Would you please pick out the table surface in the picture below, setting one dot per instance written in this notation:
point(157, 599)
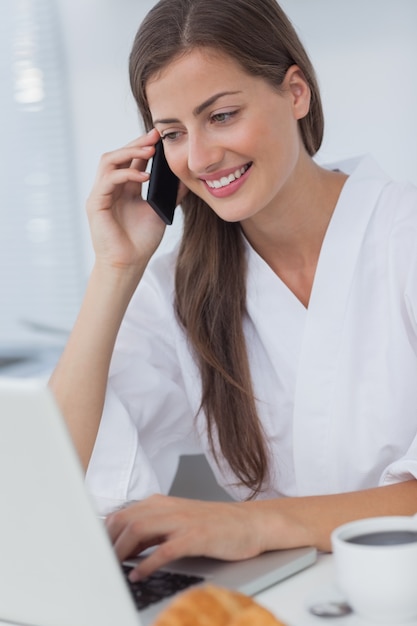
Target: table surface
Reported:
point(290, 599)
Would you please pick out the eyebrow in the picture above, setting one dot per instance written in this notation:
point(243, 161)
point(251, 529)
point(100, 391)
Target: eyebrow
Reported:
point(200, 108)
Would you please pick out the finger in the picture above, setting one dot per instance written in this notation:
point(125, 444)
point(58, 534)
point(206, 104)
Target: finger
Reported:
point(126, 531)
point(102, 196)
point(115, 524)
point(132, 540)
point(150, 138)
point(124, 158)
point(121, 177)
point(145, 143)
point(167, 552)
point(138, 151)
point(140, 525)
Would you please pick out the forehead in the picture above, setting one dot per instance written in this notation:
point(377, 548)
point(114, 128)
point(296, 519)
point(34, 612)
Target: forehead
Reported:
point(194, 76)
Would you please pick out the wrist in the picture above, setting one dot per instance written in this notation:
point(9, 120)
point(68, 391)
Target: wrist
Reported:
point(117, 277)
point(280, 524)
point(109, 291)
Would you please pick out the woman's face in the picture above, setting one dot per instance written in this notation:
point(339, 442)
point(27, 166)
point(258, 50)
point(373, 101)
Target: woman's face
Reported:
point(230, 137)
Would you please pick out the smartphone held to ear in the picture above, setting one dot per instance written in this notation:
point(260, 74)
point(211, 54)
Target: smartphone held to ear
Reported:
point(163, 186)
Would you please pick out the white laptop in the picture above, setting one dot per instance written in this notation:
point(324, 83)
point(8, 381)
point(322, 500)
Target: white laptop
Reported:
point(57, 565)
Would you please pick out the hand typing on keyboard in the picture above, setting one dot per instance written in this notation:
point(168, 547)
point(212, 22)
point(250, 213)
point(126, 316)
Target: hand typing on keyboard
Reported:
point(180, 527)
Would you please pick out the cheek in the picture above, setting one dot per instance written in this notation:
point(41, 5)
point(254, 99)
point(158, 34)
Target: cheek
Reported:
point(283, 142)
point(178, 162)
point(260, 139)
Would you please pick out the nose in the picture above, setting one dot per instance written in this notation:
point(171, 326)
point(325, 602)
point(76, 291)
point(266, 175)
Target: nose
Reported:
point(204, 153)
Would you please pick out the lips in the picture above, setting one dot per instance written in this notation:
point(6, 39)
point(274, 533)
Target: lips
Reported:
point(224, 181)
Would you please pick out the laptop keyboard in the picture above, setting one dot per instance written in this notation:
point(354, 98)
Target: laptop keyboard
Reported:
point(157, 586)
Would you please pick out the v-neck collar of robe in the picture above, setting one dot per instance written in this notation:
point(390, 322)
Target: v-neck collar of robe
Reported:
point(310, 338)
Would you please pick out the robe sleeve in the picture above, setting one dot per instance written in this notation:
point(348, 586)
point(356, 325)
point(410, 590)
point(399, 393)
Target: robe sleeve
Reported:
point(405, 468)
point(147, 421)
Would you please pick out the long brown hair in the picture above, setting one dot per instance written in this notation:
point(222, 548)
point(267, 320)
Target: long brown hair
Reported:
point(211, 266)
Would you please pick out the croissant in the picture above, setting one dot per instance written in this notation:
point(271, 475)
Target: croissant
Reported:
point(210, 605)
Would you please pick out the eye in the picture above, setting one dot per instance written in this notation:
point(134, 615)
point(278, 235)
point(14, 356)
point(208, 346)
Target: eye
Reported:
point(223, 116)
point(170, 136)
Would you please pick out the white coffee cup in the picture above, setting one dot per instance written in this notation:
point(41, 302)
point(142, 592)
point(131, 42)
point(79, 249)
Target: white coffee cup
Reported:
point(376, 566)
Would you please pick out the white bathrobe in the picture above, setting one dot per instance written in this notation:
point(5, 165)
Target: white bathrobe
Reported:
point(336, 384)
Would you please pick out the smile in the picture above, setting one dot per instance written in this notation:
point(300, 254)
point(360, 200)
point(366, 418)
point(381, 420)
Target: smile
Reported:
point(224, 181)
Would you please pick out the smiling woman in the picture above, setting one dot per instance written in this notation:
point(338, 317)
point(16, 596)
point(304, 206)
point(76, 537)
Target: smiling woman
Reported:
point(216, 132)
point(277, 337)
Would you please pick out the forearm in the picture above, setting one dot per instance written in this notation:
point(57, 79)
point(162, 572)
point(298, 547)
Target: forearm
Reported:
point(240, 530)
point(293, 522)
point(80, 378)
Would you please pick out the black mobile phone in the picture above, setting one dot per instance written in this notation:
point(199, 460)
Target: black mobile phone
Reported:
point(163, 186)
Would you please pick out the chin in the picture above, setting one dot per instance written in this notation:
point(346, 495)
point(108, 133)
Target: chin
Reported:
point(230, 213)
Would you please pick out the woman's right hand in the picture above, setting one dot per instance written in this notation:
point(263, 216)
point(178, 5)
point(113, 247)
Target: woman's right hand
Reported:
point(125, 229)
point(126, 232)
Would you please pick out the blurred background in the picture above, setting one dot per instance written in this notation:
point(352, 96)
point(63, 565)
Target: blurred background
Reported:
point(65, 99)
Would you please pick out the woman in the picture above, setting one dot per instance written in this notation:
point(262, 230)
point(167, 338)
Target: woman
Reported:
point(280, 338)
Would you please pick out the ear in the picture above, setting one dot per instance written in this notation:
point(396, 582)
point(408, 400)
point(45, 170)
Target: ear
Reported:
point(298, 88)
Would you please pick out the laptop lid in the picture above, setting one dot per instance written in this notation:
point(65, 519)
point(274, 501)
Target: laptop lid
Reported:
point(57, 565)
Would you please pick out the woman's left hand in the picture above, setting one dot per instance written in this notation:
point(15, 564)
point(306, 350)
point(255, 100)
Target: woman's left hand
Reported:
point(181, 527)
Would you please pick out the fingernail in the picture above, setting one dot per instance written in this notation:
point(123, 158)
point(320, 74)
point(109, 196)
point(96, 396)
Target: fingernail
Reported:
point(134, 576)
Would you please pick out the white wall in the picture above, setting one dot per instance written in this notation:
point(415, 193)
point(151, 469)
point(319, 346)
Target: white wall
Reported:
point(98, 36)
point(365, 53)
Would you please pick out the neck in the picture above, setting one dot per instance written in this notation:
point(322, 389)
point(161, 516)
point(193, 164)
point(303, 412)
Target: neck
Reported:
point(289, 235)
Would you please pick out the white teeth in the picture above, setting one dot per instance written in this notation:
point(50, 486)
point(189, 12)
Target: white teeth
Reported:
point(226, 180)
